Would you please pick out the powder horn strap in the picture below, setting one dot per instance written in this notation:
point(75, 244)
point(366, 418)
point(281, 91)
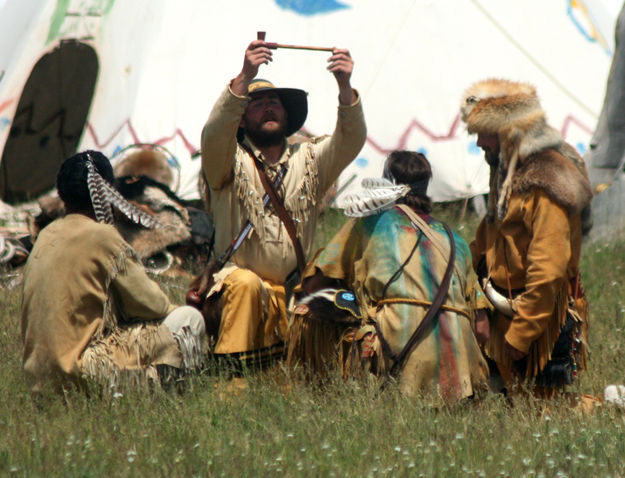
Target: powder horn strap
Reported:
point(248, 226)
point(280, 211)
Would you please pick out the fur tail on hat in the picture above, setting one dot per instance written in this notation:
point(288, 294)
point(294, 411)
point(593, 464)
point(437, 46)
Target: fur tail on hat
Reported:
point(506, 188)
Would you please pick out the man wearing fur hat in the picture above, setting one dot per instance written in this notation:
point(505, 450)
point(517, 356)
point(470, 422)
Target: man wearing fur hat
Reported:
point(527, 248)
point(246, 136)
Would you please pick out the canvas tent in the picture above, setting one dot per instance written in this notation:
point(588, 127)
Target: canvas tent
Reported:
point(105, 74)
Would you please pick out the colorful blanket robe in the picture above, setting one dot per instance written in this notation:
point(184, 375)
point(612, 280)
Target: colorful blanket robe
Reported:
point(366, 254)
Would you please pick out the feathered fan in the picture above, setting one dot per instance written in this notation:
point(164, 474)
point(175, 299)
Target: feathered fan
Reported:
point(378, 194)
point(104, 197)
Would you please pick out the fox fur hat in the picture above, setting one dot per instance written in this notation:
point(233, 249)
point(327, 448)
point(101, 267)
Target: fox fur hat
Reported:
point(512, 111)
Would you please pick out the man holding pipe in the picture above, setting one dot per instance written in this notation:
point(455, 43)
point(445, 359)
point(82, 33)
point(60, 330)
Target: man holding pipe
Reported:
point(245, 137)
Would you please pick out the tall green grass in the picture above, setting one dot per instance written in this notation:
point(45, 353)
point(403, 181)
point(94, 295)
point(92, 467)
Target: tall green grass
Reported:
point(281, 426)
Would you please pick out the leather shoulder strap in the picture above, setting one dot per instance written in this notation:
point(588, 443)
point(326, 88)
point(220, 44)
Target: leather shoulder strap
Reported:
point(432, 313)
point(437, 241)
point(281, 211)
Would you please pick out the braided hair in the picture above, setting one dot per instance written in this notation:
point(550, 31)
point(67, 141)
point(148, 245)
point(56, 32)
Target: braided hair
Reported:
point(413, 169)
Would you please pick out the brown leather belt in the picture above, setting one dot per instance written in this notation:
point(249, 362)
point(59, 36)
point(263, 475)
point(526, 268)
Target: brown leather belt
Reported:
point(509, 294)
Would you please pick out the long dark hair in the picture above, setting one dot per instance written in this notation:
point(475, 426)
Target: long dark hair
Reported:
point(412, 168)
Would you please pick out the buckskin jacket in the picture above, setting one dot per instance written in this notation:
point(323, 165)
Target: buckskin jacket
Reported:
point(534, 252)
point(83, 284)
point(235, 192)
point(529, 243)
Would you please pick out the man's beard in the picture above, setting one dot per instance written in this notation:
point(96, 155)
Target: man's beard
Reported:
point(491, 158)
point(264, 139)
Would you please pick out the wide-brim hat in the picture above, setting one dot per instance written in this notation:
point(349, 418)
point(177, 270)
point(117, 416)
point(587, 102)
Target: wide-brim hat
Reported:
point(293, 100)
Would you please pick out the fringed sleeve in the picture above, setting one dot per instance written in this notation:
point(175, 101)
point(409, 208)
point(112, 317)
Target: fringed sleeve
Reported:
point(219, 138)
point(541, 308)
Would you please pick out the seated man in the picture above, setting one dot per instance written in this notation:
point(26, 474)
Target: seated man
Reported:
point(89, 309)
point(245, 153)
point(413, 279)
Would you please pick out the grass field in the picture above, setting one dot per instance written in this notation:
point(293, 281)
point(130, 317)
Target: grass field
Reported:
point(281, 426)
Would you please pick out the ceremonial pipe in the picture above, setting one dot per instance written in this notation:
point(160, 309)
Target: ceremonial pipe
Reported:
point(273, 46)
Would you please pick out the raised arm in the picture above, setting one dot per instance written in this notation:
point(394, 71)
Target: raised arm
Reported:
point(350, 133)
point(256, 54)
point(342, 65)
point(219, 136)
